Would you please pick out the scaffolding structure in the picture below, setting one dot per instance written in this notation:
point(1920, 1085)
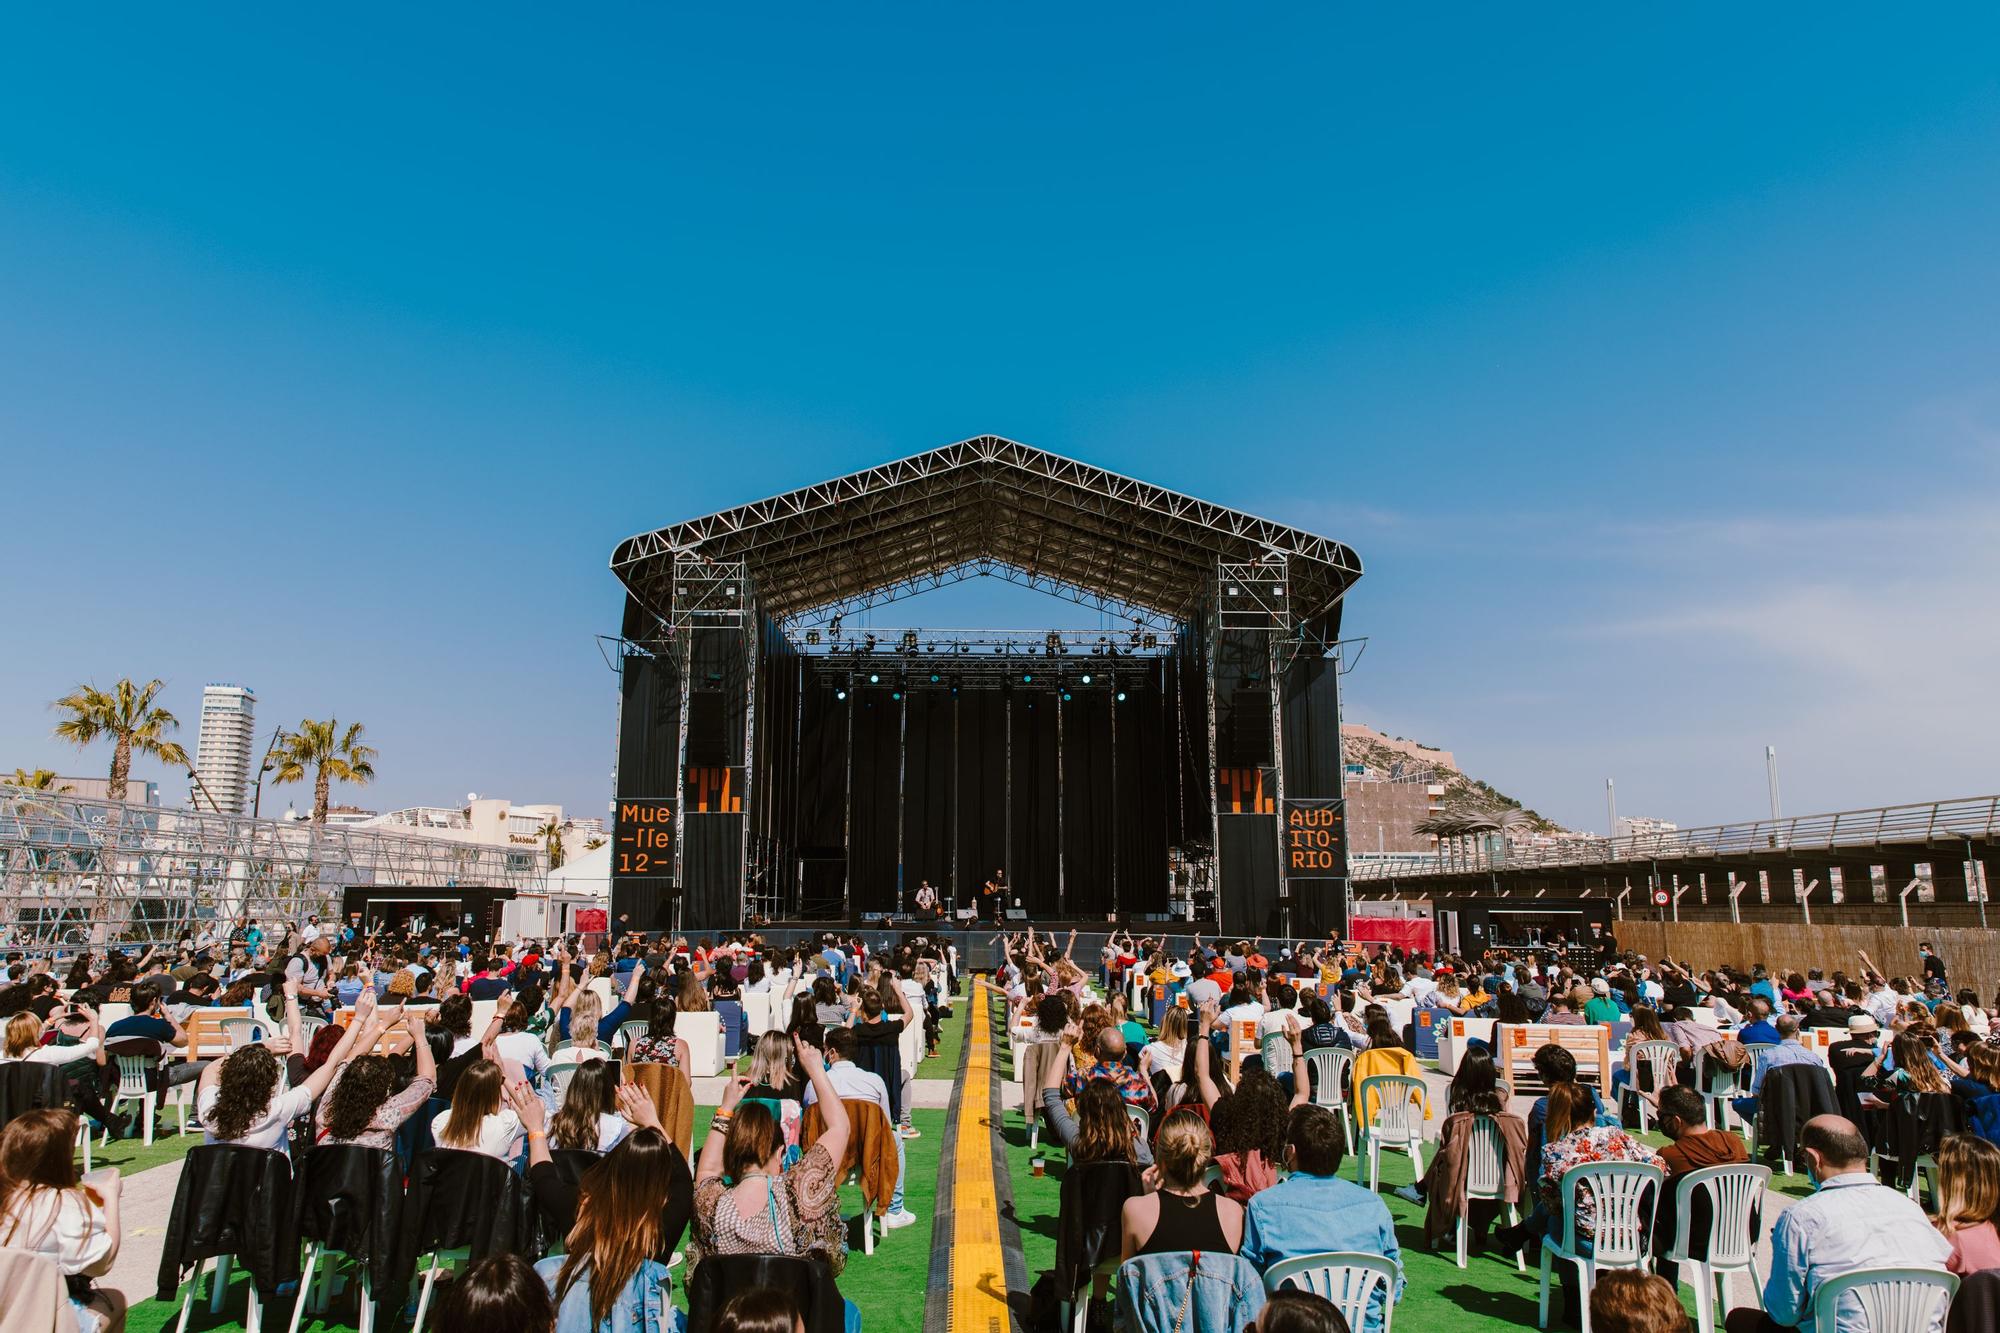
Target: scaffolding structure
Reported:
point(79, 872)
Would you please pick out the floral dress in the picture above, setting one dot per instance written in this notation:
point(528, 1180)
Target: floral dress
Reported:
point(1597, 1143)
point(800, 1216)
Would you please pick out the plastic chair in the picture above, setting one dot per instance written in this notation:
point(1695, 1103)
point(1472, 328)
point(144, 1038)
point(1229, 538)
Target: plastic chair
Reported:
point(1142, 1123)
point(1623, 1234)
point(558, 1077)
point(230, 1200)
point(1276, 1052)
point(310, 1025)
point(1718, 1085)
point(1398, 1123)
point(1331, 1069)
point(463, 1203)
point(1655, 1061)
point(350, 1201)
point(138, 1061)
point(1486, 1178)
point(622, 1039)
point(1892, 1300)
point(244, 1032)
point(1347, 1278)
point(1734, 1194)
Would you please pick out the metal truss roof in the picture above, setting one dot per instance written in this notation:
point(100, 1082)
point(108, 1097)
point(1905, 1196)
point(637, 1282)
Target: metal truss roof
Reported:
point(984, 506)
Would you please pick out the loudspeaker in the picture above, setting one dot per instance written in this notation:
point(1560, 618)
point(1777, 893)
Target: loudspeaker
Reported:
point(1245, 741)
point(708, 739)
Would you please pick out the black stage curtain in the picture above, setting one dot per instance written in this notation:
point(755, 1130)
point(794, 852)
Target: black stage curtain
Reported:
point(930, 780)
point(871, 845)
point(1311, 709)
point(649, 733)
point(981, 793)
point(712, 866)
point(1089, 783)
point(1248, 859)
point(1145, 796)
point(1036, 848)
point(821, 821)
point(774, 777)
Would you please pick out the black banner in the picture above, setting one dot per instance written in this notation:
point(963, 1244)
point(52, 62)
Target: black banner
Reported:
point(642, 864)
point(1315, 838)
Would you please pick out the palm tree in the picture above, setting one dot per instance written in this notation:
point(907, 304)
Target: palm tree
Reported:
point(129, 717)
point(41, 779)
point(553, 840)
point(330, 754)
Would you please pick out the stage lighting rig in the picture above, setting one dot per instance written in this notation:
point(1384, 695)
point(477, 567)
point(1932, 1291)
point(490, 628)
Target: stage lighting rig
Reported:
point(909, 641)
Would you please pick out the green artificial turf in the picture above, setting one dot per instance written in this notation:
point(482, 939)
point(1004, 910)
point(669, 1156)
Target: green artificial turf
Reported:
point(131, 1156)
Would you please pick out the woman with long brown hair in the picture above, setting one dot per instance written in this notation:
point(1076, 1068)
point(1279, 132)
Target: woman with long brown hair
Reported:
point(589, 1119)
point(623, 1218)
point(241, 1099)
point(46, 1208)
point(745, 1202)
point(477, 1122)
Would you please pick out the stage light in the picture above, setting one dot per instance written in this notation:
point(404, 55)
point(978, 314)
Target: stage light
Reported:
point(1121, 696)
point(1086, 678)
point(870, 645)
point(935, 678)
point(896, 694)
point(909, 641)
point(1152, 642)
point(1027, 678)
point(840, 694)
point(812, 637)
point(1065, 696)
point(874, 679)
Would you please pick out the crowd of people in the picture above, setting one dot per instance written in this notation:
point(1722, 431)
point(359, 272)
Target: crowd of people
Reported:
point(1248, 1166)
point(370, 1041)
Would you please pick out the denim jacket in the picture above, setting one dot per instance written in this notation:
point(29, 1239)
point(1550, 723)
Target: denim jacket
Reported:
point(1228, 1294)
point(646, 1304)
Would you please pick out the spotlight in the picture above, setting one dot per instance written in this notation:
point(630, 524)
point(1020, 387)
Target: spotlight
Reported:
point(1065, 696)
point(833, 626)
point(874, 679)
point(840, 694)
point(896, 695)
point(1152, 642)
point(812, 637)
point(1086, 678)
point(935, 678)
point(909, 641)
point(1027, 678)
point(870, 645)
point(1121, 696)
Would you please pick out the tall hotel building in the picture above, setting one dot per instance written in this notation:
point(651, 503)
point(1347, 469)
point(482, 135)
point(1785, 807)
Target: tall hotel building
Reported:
point(222, 747)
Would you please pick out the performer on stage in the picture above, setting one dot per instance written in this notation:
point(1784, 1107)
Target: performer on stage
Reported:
point(995, 893)
point(927, 901)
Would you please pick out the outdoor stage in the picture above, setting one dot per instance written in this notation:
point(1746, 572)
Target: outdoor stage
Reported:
point(775, 763)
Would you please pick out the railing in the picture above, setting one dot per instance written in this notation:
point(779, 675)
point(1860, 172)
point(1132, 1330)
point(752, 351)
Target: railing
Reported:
point(1961, 819)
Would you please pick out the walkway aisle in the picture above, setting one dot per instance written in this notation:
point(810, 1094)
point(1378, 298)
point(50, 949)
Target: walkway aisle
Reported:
point(968, 1286)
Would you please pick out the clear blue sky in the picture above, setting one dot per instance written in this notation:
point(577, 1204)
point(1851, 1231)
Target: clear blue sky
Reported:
point(1649, 361)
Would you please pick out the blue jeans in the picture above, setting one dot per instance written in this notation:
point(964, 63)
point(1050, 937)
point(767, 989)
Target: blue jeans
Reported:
point(896, 1198)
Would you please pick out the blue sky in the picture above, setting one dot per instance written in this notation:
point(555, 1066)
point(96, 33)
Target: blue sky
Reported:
point(1648, 360)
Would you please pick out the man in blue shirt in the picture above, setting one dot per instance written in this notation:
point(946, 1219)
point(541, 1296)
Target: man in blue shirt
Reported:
point(1315, 1211)
point(1788, 1051)
point(1759, 1029)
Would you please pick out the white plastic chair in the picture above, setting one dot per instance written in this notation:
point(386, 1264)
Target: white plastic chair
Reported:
point(703, 1034)
point(1398, 1123)
point(1486, 1178)
point(244, 1032)
point(1331, 1067)
point(1892, 1300)
point(1075, 1314)
point(621, 1040)
point(557, 1078)
point(309, 1027)
point(1655, 1061)
point(320, 1299)
point(1276, 1050)
point(217, 1292)
point(1622, 1236)
point(135, 1084)
point(1734, 1195)
point(1348, 1279)
point(1719, 1084)
point(1142, 1123)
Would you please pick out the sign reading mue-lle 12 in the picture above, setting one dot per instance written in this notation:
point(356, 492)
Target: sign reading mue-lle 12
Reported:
point(642, 839)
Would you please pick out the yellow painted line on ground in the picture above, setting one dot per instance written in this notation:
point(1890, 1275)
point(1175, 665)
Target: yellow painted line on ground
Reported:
point(978, 1270)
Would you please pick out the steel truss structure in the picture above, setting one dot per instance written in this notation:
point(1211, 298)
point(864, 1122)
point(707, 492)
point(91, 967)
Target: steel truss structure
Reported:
point(78, 872)
point(984, 506)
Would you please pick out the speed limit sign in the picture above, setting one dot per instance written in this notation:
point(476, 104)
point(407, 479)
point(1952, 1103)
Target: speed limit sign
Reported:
point(1660, 898)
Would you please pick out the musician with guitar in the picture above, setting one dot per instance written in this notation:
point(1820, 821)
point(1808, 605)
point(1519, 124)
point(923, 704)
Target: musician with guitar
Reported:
point(995, 893)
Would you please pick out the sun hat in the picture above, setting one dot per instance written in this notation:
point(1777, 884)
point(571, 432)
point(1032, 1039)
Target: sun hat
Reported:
point(1863, 1023)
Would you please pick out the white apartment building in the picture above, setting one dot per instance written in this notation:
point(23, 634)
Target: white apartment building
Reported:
point(222, 748)
point(1639, 826)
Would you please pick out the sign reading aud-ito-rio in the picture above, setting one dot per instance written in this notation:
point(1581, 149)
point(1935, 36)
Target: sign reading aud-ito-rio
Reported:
point(1315, 837)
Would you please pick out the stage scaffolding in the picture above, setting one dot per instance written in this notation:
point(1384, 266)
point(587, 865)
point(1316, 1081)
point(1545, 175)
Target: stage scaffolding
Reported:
point(734, 648)
point(80, 872)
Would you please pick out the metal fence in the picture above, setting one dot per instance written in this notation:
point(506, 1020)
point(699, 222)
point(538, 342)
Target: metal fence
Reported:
point(1971, 818)
point(76, 871)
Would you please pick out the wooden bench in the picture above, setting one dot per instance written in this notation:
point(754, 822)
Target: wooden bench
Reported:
point(1515, 1044)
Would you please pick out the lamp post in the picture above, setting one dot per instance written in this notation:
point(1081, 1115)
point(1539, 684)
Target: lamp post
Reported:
point(270, 762)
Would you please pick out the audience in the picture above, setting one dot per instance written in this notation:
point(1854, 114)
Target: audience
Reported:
point(1294, 1311)
point(1182, 1213)
point(1624, 1301)
point(1968, 1200)
point(503, 1294)
point(477, 1121)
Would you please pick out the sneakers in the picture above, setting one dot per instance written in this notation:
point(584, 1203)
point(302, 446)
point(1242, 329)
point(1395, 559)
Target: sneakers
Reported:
point(902, 1217)
point(1408, 1194)
point(910, 1132)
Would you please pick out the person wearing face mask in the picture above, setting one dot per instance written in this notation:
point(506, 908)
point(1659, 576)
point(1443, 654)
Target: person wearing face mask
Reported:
point(1852, 1221)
